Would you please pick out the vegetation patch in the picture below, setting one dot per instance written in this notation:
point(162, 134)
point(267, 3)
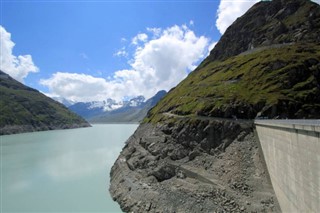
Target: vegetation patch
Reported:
point(272, 82)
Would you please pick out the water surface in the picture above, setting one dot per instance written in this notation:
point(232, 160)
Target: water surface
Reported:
point(62, 170)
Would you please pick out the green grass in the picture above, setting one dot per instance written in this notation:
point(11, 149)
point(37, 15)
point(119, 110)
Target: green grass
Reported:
point(251, 81)
point(21, 105)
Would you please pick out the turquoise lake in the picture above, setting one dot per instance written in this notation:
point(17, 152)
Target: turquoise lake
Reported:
point(61, 170)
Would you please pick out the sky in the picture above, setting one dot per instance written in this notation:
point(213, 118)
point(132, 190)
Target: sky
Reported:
point(94, 50)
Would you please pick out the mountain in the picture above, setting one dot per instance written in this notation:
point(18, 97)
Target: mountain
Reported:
point(64, 101)
point(23, 109)
point(89, 110)
point(279, 78)
point(196, 150)
point(110, 111)
point(297, 22)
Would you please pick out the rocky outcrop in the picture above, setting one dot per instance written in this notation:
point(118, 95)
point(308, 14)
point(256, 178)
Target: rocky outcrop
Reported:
point(268, 23)
point(192, 165)
point(196, 150)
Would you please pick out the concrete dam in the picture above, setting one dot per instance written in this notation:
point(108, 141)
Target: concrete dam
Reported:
point(291, 149)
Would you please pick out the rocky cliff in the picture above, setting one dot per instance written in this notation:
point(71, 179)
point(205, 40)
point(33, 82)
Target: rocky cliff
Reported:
point(196, 150)
point(267, 23)
point(23, 109)
point(192, 165)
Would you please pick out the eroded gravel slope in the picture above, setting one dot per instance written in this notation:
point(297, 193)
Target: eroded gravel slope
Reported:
point(193, 166)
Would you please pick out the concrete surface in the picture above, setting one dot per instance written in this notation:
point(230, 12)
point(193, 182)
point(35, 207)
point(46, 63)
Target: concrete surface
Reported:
point(291, 149)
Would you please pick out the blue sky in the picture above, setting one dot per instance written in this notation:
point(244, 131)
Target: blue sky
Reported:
point(93, 50)
point(56, 34)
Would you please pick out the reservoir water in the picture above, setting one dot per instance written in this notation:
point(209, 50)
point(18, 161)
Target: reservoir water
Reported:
point(61, 170)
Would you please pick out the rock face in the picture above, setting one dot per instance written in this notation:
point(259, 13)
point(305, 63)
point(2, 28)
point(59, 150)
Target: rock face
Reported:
point(276, 80)
point(23, 109)
point(267, 23)
point(192, 165)
point(196, 150)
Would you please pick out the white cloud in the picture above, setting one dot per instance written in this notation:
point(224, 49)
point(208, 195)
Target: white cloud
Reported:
point(191, 22)
point(141, 37)
point(159, 63)
point(165, 61)
point(211, 46)
point(81, 87)
point(155, 31)
point(121, 52)
point(316, 1)
point(76, 87)
point(229, 11)
point(17, 67)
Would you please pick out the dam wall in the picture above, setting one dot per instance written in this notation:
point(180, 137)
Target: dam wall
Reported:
point(291, 149)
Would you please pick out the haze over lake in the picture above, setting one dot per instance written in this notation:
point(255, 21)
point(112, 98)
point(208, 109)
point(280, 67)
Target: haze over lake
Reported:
point(61, 171)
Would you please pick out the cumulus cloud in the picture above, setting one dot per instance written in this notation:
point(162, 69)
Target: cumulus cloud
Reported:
point(141, 37)
point(229, 11)
point(165, 61)
point(156, 64)
point(121, 53)
point(211, 46)
point(77, 87)
point(17, 67)
point(155, 31)
point(83, 88)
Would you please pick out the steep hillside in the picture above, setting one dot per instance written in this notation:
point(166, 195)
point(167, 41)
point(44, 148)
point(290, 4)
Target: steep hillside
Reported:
point(275, 82)
point(23, 109)
point(256, 69)
point(266, 23)
point(196, 150)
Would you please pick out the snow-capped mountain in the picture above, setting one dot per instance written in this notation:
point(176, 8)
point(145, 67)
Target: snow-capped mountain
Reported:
point(109, 110)
point(110, 104)
point(91, 109)
point(107, 105)
point(64, 101)
point(134, 102)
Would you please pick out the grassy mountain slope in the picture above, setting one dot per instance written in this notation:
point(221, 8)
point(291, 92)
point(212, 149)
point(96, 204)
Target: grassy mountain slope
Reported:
point(275, 82)
point(186, 157)
point(25, 109)
point(255, 70)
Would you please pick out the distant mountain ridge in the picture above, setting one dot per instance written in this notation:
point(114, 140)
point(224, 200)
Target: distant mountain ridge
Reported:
point(111, 111)
point(24, 109)
point(64, 101)
point(90, 109)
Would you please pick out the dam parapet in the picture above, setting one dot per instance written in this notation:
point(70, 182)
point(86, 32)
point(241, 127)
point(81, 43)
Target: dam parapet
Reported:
point(291, 149)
